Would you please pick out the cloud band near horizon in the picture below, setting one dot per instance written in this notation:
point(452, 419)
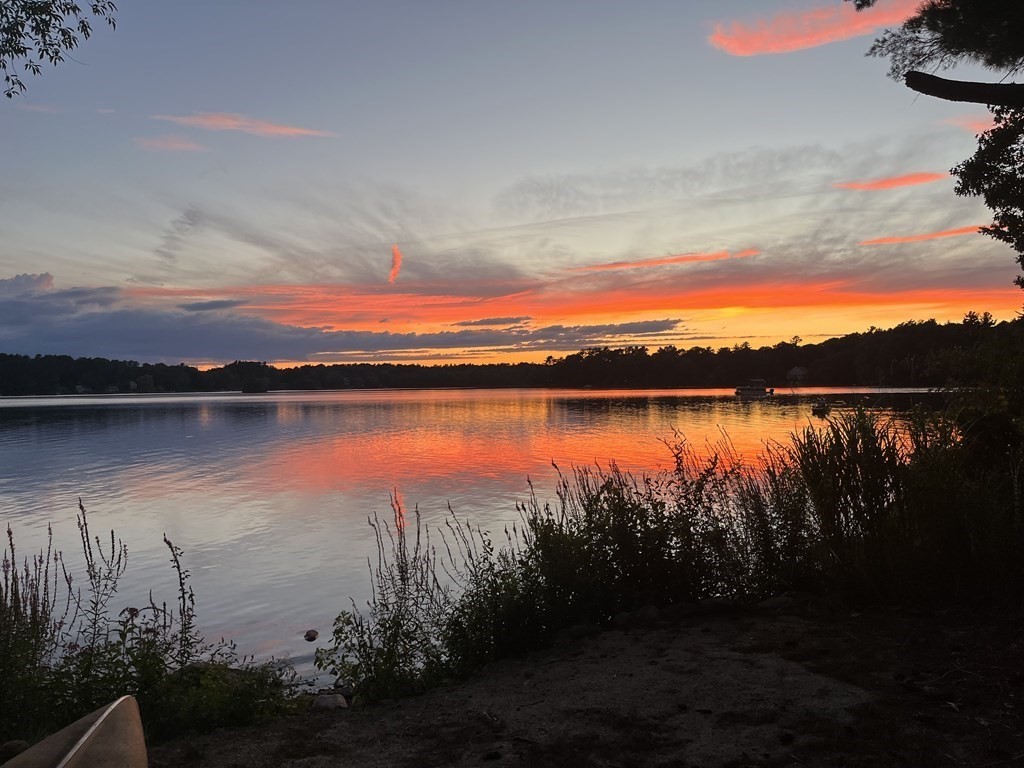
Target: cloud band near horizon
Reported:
point(276, 323)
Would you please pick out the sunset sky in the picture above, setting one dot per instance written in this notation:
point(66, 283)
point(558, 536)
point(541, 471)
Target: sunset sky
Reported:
point(466, 180)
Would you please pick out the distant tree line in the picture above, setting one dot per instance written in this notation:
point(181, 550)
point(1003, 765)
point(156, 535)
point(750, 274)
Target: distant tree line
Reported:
point(913, 354)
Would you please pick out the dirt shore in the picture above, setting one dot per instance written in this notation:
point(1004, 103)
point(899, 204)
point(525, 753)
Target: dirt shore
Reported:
point(805, 687)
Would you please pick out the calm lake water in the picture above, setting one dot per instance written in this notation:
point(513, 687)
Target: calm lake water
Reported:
point(268, 495)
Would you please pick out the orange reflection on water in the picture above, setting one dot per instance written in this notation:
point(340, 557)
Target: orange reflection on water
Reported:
point(269, 494)
point(455, 440)
point(288, 413)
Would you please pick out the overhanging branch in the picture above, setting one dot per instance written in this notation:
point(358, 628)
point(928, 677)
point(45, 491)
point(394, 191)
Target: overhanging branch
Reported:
point(995, 94)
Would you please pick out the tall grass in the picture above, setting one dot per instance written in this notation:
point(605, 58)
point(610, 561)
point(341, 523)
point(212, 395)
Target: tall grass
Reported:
point(64, 651)
point(863, 508)
point(31, 628)
point(395, 648)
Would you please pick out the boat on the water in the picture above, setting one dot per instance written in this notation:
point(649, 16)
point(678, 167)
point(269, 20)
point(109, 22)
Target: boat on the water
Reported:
point(110, 737)
point(821, 408)
point(755, 389)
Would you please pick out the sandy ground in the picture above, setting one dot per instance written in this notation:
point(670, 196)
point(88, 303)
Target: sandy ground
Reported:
point(808, 687)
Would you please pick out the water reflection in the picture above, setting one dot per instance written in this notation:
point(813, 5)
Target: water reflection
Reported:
point(268, 495)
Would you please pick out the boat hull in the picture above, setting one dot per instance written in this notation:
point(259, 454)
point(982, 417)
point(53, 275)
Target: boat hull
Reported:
point(110, 737)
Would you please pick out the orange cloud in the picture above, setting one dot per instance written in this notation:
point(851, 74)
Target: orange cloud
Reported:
point(794, 31)
point(360, 309)
point(918, 238)
point(745, 305)
point(396, 263)
point(686, 258)
point(972, 124)
point(337, 306)
point(782, 295)
point(892, 182)
point(169, 144)
point(222, 121)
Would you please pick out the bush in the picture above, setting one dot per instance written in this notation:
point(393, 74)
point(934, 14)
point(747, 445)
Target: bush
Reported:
point(31, 628)
point(396, 649)
point(57, 665)
point(910, 511)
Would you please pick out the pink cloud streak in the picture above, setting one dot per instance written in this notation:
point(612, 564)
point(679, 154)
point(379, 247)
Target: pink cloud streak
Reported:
point(794, 31)
point(396, 263)
point(918, 238)
point(971, 124)
point(222, 121)
point(892, 182)
point(169, 144)
point(685, 258)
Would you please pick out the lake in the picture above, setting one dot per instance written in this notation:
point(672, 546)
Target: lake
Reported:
point(268, 495)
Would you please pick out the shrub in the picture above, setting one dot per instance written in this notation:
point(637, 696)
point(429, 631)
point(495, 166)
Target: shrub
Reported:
point(910, 511)
point(57, 665)
point(396, 649)
point(31, 628)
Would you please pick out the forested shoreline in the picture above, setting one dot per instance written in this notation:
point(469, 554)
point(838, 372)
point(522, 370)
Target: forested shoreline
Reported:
point(912, 354)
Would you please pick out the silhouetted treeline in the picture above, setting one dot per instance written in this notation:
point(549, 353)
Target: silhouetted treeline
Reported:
point(913, 354)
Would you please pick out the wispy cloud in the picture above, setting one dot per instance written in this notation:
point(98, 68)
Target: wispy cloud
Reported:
point(173, 239)
point(795, 30)
point(685, 258)
point(627, 190)
point(211, 306)
point(973, 124)
point(44, 108)
point(918, 238)
point(396, 264)
point(11, 287)
point(169, 144)
point(492, 321)
point(223, 121)
point(892, 182)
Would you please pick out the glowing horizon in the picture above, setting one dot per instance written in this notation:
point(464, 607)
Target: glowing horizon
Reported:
point(529, 325)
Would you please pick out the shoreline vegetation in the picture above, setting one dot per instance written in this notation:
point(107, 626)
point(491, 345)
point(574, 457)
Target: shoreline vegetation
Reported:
point(67, 648)
point(869, 512)
point(865, 511)
point(912, 354)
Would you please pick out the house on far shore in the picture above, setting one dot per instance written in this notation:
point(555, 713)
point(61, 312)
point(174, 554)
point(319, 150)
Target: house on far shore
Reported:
point(797, 376)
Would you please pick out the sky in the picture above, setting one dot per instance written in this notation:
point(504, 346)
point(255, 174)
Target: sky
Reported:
point(443, 181)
